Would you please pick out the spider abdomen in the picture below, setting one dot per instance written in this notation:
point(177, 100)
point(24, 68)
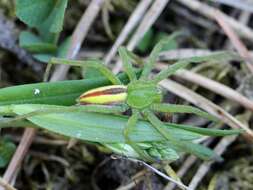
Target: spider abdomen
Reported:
point(104, 95)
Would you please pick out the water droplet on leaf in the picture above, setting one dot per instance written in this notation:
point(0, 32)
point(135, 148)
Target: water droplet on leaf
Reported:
point(36, 91)
point(78, 135)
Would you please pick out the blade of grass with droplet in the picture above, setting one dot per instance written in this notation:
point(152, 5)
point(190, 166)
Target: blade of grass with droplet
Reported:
point(57, 93)
point(102, 127)
point(92, 126)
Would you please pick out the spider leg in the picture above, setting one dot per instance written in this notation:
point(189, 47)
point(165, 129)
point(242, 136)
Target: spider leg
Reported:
point(135, 58)
point(97, 64)
point(126, 60)
point(185, 146)
point(158, 125)
point(170, 70)
point(173, 108)
point(184, 62)
point(131, 123)
point(155, 54)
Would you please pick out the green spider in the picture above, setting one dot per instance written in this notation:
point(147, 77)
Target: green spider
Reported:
point(142, 95)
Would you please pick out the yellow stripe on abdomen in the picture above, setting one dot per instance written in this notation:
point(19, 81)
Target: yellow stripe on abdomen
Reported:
point(104, 95)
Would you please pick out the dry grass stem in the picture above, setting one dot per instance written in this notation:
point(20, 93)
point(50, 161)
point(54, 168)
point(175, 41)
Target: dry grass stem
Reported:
point(237, 43)
point(210, 12)
point(205, 167)
point(6, 185)
point(146, 23)
point(78, 36)
point(19, 154)
point(246, 5)
point(184, 53)
point(129, 26)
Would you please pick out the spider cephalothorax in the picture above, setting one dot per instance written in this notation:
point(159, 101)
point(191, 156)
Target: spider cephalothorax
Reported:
point(142, 94)
point(138, 95)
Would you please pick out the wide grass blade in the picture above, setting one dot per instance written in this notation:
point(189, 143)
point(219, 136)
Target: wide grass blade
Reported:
point(107, 128)
point(57, 93)
point(95, 127)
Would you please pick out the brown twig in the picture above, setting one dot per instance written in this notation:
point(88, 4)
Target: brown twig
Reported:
point(239, 46)
point(129, 26)
point(19, 154)
point(148, 20)
point(60, 73)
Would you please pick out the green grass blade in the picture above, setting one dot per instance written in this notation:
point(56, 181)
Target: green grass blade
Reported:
point(200, 151)
point(7, 149)
point(57, 93)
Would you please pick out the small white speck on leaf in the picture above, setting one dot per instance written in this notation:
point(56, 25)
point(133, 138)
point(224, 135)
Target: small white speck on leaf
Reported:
point(36, 91)
point(78, 135)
